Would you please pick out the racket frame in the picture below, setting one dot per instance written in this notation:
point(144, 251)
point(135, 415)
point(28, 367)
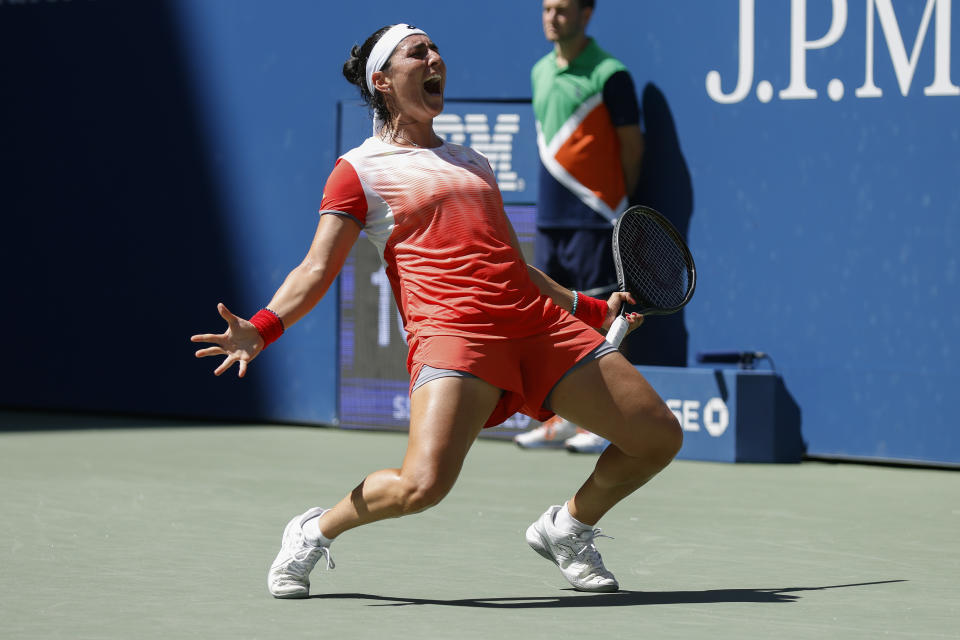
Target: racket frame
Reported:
point(618, 329)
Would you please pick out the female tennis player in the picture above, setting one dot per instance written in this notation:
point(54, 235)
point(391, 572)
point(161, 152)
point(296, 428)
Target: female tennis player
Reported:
point(488, 334)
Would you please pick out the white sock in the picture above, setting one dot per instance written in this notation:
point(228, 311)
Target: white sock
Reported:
point(313, 535)
point(567, 522)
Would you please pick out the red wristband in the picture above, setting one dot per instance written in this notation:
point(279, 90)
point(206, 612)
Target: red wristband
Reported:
point(593, 311)
point(268, 324)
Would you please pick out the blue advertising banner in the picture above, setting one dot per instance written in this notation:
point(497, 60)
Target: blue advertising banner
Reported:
point(731, 415)
point(808, 149)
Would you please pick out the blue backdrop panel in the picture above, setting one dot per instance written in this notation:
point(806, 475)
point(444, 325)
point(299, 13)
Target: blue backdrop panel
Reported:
point(162, 155)
point(114, 247)
point(825, 225)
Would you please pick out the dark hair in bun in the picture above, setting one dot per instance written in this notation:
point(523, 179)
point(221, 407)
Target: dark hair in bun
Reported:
point(355, 71)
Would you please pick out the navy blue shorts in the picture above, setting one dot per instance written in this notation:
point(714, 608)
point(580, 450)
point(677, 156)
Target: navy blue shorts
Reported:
point(576, 258)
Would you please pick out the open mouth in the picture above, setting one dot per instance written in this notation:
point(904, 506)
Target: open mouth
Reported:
point(434, 85)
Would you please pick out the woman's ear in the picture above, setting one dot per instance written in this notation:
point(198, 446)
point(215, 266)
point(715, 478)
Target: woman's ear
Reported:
point(381, 82)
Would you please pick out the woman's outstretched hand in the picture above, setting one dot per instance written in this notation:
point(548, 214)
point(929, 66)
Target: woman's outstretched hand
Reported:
point(240, 343)
point(614, 304)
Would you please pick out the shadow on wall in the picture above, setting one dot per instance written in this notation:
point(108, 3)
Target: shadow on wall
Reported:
point(665, 185)
point(114, 251)
point(769, 420)
point(789, 421)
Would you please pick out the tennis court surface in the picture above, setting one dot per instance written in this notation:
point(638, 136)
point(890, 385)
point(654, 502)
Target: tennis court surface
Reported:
point(118, 528)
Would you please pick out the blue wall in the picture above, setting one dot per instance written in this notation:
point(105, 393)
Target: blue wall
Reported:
point(172, 154)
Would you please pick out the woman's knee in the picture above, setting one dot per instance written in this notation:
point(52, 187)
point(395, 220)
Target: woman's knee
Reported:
point(654, 435)
point(672, 433)
point(420, 492)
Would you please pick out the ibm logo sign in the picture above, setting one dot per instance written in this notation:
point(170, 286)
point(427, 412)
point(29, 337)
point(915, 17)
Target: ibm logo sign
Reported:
point(877, 12)
point(473, 129)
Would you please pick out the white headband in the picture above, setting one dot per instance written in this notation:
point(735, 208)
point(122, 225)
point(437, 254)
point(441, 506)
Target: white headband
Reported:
point(384, 49)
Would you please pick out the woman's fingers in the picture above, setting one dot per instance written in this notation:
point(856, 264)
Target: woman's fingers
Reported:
point(616, 302)
point(209, 351)
point(225, 344)
point(218, 338)
point(226, 364)
point(622, 297)
point(232, 320)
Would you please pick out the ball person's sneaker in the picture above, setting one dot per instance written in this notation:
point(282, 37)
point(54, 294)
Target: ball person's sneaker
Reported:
point(575, 554)
point(551, 434)
point(289, 576)
point(586, 442)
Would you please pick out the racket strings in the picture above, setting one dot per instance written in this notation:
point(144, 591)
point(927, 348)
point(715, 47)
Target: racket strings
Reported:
point(653, 266)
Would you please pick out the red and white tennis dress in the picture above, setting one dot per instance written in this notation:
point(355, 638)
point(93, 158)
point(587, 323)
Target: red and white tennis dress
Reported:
point(467, 301)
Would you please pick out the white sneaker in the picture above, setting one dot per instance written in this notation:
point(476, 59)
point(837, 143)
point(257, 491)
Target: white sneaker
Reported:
point(289, 577)
point(586, 442)
point(575, 554)
point(551, 434)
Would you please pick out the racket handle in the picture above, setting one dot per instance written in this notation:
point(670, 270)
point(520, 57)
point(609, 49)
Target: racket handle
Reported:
point(617, 331)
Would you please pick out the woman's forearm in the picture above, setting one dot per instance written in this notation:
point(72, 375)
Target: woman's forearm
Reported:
point(300, 292)
point(561, 296)
point(306, 284)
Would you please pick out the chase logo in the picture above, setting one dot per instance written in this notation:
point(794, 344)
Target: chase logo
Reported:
point(890, 33)
point(714, 416)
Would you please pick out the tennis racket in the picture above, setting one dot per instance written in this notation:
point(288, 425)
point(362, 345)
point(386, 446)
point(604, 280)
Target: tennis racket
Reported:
point(653, 263)
point(601, 292)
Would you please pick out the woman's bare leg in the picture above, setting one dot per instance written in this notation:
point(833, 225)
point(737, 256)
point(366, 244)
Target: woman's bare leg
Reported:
point(446, 415)
point(612, 399)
